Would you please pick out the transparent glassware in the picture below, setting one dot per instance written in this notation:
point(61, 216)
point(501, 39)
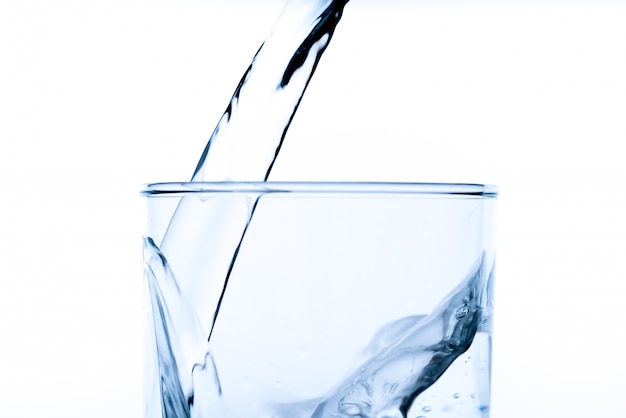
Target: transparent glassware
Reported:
point(318, 299)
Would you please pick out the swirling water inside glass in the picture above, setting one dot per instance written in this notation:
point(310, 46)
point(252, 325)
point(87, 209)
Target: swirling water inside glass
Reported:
point(407, 356)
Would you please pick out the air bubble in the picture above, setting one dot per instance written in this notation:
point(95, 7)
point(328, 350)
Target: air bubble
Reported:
point(456, 396)
point(462, 312)
point(427, 408)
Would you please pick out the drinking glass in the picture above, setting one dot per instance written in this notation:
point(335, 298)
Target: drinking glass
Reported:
point(318, 300)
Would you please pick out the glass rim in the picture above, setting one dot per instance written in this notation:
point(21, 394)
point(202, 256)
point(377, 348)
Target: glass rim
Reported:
point(321, 187)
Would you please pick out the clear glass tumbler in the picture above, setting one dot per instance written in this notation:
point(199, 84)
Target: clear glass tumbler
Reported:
point(318, 300)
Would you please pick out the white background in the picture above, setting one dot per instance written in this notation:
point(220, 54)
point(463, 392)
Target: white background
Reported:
point(98, 97)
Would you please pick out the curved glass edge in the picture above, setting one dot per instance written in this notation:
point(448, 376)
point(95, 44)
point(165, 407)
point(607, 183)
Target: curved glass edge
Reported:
point(448, 189)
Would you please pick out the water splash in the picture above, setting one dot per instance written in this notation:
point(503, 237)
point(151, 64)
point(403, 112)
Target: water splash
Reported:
point(183, 355)
point(411, 354)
